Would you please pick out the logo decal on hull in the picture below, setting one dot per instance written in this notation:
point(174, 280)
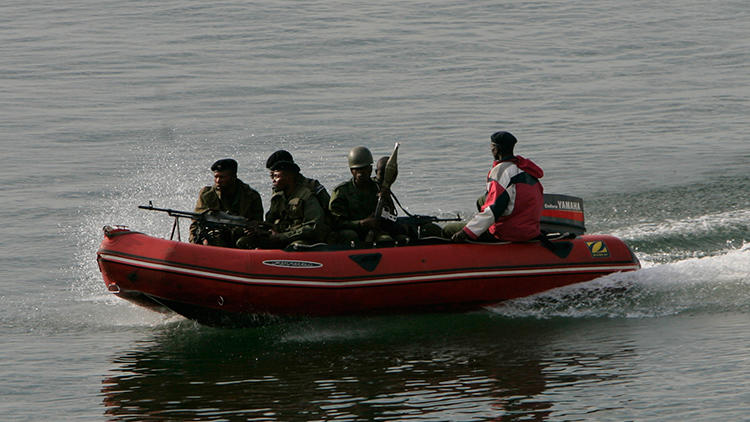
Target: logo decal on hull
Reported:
point(286, 263)
point(598, 248)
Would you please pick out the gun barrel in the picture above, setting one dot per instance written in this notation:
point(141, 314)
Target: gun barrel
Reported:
point(170, 212)
point(418, 219)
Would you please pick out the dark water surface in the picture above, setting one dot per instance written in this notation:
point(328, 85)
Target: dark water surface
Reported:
point(466, 367)
point(641, 108)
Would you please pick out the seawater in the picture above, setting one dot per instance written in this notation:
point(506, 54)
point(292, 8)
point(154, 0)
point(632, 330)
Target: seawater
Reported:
point(640, 108)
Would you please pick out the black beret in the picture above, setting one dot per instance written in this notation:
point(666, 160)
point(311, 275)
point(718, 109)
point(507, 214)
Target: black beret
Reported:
point(225, 164)
point(504, 139)
point(285, 166)
point(279, 155)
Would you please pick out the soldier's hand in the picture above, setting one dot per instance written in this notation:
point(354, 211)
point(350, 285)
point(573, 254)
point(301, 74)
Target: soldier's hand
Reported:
point(273, 236)
point(460, 236)
point(369, 222)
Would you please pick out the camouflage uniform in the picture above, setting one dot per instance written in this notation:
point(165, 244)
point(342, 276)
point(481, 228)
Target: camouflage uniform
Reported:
point(349, 205)
point(297, 218)
point(245, 202)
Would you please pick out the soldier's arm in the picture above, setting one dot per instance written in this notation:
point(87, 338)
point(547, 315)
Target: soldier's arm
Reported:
point(339, 207)
point(200, 206)
point(323, 199)
point(321, 193)
point(256, 208)
point(315, 214)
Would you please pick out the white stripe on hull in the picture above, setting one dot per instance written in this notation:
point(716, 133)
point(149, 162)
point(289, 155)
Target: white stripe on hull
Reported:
point(374, 282)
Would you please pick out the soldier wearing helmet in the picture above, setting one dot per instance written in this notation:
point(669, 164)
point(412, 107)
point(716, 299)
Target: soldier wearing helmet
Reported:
point(353, 202)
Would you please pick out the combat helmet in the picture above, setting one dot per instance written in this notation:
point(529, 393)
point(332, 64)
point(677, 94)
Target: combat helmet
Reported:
point(359, 157)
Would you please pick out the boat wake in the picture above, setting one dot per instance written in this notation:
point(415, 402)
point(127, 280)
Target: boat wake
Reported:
point(696, 263)
point(718, 283)
point(672, 240)
point(702, 225)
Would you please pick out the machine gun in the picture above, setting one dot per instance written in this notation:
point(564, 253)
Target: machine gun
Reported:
point(418, 220)
point(415, 223)
point(209, 218)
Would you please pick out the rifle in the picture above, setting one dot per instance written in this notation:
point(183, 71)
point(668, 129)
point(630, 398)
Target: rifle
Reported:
point(208, 218)
point(418, 220)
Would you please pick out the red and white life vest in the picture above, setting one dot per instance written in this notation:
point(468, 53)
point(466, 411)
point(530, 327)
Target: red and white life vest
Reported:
point(513, 205)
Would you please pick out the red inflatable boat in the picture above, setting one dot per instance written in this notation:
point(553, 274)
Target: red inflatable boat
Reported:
point(219, 285)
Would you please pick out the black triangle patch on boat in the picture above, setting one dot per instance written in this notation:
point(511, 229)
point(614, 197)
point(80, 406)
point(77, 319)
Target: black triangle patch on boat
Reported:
point(368, 261)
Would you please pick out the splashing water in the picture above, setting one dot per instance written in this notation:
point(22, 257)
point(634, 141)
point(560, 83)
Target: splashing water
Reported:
point(709, 284)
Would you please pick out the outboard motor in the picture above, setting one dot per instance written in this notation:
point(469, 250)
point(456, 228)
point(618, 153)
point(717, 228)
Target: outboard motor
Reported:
point(562, 214)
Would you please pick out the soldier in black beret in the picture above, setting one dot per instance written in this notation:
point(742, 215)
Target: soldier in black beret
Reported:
point(225, 164)
point(314, 185)
point(280, 155)
point(284, 165)
point(228, 194)
point(295, 215)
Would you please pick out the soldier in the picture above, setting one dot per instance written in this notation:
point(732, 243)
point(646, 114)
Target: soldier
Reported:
point(353, 202)
point(228, 194)
point(314, 185)
point(295, 214)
